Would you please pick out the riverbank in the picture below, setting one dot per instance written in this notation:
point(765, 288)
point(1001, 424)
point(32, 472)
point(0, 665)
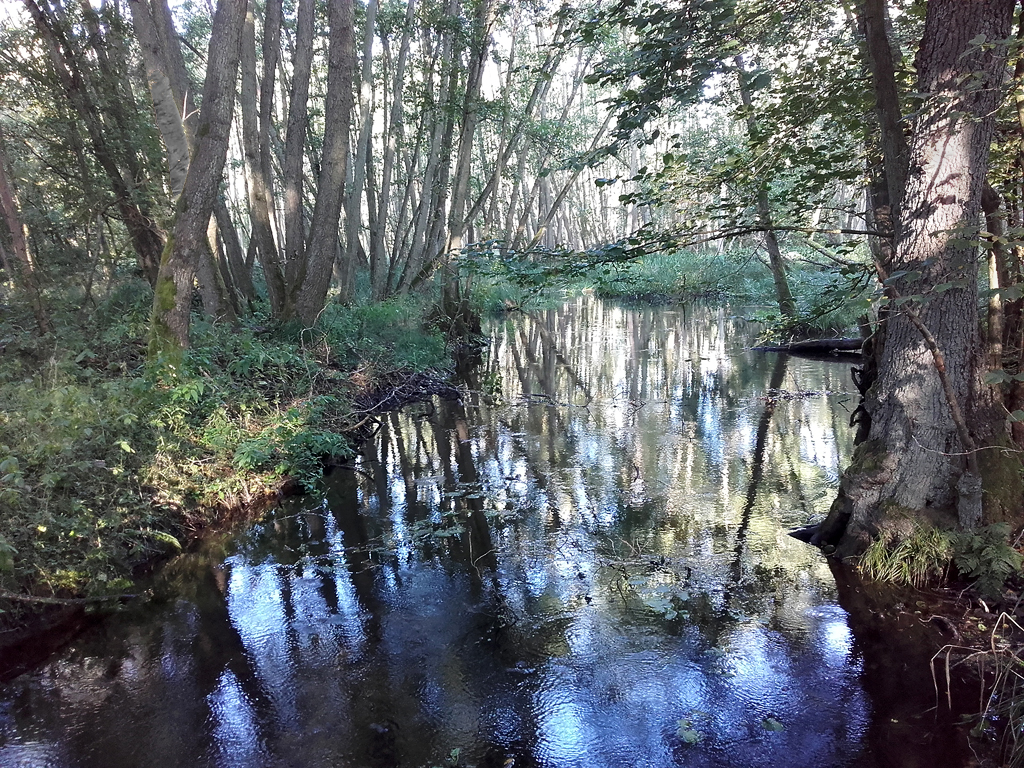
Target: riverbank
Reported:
point(110, 464)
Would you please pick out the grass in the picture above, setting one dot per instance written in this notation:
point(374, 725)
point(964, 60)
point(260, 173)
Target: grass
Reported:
point(107, 462)
point(1000, 666)
point(827, 302)
point(917, 559)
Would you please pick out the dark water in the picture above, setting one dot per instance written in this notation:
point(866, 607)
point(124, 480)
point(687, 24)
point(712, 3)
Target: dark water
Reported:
point(591, 571)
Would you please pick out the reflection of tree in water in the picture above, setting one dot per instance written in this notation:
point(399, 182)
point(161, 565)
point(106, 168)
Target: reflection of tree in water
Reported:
point(574, 570)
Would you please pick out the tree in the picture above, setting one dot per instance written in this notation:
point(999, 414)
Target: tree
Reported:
point(323, 236)
point(100, 97)
point(15, 257)
point(929, 408)
point(931, 425)
point(172, 301)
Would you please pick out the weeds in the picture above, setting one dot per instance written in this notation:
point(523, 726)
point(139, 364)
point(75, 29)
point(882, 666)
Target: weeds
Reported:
point(1000, 667)
point(917, 559)
point(107, 462)
point(986, 556)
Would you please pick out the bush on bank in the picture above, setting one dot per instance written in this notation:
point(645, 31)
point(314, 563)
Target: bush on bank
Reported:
point(108, 462)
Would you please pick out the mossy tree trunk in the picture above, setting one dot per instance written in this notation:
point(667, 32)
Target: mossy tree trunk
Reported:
point(172, 301)
point(914, 463)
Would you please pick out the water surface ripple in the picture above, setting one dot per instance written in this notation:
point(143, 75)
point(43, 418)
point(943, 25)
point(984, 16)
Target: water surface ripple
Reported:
point(582, 564)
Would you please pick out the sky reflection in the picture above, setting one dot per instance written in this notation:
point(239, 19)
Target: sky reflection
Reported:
point(571, 575)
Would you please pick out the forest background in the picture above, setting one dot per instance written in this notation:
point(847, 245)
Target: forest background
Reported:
point(230, 233)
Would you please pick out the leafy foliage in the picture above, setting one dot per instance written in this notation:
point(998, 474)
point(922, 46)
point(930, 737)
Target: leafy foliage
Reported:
point(106, 463)
point(986, 556)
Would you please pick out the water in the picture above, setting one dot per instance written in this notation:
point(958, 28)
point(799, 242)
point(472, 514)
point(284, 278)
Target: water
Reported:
point(592, 570)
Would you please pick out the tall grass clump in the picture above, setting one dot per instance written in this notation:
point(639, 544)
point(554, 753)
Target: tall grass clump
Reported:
point(1000, 666)
point(917, 558)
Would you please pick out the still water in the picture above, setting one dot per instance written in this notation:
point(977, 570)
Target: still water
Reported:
point(584, 562)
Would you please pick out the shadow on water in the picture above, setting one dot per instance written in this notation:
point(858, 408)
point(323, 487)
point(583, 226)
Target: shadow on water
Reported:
point(584, 562)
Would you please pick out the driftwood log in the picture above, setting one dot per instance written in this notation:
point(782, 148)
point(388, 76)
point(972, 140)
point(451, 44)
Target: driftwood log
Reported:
point(817, 347)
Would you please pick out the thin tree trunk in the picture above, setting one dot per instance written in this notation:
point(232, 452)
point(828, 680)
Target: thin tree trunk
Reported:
point(133, 209)
point(294, 144)
point(787, 306)
point(240, 271)
point(381, 285)
point(21, 268)
point(354, 208)
point(173, 293)
point(256, 148)
point(323, 241)
point(168, 117)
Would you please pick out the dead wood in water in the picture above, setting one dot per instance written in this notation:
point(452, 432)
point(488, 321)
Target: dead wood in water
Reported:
point(832, 347)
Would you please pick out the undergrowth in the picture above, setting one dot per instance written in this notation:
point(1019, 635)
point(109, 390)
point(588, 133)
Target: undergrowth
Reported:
point(925, 555)
point(107, 461)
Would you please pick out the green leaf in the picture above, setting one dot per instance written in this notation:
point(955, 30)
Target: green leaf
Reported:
point(771, 724)
point(688, 733)
point(763, 80)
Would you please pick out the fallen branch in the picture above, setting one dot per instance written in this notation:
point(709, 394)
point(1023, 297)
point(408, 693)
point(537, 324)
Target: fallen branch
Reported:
point(5, 595)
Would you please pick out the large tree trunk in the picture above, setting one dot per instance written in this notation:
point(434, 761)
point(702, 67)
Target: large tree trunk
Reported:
point(915, 463)
point(174, 287)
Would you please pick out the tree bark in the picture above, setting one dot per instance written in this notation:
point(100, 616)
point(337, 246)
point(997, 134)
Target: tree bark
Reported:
point(294, 143)
point(256, 147)
point(914, 464)
point(323, 240)
point(380, 282)
point(65, 56)
point(783, 294)
point(172, 301)
point(354, 207)
point(166, 112)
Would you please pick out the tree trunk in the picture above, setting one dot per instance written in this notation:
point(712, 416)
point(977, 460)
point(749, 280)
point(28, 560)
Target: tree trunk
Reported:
point(914, 466)
point(323, 240)
point(783, 294)
point(166, 112)
point(294, 143)
point(380, 283)
point(21, 268)
point(354, 207)
point(256, 147)
point(172, 301)
point(65, 56)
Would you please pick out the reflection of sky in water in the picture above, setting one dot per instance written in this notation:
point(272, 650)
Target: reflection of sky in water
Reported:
point(631, 586)
point(235, 731)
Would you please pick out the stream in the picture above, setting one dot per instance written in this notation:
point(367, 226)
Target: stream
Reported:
point(583, 563)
